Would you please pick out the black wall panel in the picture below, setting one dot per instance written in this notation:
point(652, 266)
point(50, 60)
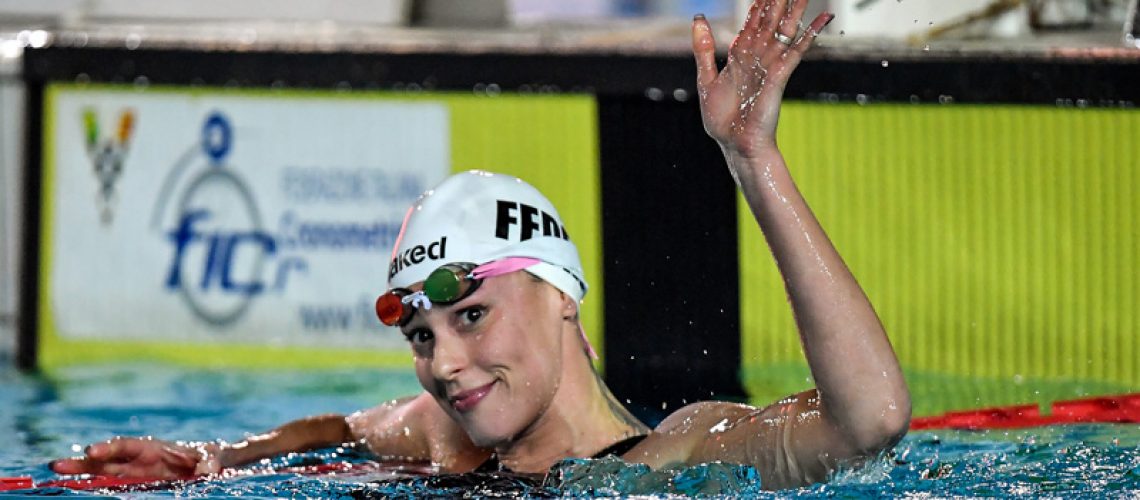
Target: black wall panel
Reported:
point(669, 228)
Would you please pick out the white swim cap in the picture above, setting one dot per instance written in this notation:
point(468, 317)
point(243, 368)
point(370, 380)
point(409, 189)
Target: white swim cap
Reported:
point(480, 217)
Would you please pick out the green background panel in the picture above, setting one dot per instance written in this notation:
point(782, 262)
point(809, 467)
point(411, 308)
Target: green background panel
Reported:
point(550, 141)
point(999, 245)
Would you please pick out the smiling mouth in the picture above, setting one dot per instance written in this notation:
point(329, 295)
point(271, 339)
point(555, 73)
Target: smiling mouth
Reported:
point(465, 401)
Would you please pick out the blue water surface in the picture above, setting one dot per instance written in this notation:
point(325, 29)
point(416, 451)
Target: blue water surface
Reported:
point(45, 417)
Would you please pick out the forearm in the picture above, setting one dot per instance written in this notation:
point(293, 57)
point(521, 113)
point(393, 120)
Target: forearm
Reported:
point(299, 435)
point(844, 341)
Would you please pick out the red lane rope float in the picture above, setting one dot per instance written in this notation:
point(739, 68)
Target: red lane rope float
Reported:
point(87, 482)
point(90, 482)
point(16, 483)
point(1105, 409)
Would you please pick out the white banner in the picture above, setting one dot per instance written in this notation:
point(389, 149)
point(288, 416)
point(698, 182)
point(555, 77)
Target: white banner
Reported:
point(230, 217)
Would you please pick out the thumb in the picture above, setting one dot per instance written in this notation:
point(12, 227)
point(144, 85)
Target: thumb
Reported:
point(704, 50)
point(182, 457)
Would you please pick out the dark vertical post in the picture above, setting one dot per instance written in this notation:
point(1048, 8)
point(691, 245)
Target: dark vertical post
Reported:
point(669, 226)
point(28, 302)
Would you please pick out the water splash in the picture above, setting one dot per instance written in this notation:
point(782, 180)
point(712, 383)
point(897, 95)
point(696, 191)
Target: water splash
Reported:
point(613, 477)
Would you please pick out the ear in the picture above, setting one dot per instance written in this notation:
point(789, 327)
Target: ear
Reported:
point(569, 307)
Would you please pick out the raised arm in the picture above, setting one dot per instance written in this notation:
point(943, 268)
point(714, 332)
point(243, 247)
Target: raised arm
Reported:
point(862, 405)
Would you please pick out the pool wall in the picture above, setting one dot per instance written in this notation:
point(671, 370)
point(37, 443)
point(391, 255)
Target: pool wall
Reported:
point(998, 243)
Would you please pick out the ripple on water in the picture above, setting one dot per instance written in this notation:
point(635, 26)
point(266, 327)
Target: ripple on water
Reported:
point(43, 417)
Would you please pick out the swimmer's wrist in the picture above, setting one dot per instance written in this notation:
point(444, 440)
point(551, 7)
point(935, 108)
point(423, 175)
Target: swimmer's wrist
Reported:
point(756, 149)
point(745, 168)
point(219, 454)
point(213, 456)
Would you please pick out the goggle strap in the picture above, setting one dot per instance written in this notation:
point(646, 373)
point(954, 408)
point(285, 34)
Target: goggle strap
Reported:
point(586, 340)
point(503, 266)
point(403, 229)
point(418, 300)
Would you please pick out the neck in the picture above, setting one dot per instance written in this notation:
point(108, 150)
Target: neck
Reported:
point(583, 419)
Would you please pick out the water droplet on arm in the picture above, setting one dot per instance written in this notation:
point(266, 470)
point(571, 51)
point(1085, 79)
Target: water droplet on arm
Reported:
point(719, 427)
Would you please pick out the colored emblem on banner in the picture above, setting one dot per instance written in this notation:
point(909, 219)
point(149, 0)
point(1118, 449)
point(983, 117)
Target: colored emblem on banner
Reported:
point(107, 155)
point(221, 250)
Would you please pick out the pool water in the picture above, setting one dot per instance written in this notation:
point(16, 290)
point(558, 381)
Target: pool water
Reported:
point(42, 418)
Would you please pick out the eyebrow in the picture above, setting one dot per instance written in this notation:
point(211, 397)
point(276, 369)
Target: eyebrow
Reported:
point(418, 321)
point(475, 296)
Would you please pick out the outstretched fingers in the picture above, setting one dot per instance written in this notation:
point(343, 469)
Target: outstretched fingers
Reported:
point(785, 61)
point(704, 50)
point(773, 13)
point(789, 25)
point(804, 42)
point(119, 449)
point(78, 465)
point(752, 22)
point(133, 457)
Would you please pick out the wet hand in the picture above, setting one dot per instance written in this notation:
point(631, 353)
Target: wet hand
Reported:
point(740, 104)
point(142, 457)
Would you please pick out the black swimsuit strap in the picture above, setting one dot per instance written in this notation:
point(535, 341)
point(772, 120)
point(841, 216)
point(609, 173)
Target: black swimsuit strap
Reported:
point(619, 448)
point(490, 465)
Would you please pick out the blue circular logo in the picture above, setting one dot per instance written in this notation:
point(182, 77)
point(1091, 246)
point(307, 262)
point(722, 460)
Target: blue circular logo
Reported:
point(217, 136)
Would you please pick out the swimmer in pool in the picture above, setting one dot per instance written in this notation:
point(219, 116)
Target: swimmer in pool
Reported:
point(485, 282)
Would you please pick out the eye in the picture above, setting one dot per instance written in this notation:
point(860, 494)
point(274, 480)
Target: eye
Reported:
point(471, 315)
point(419, 336)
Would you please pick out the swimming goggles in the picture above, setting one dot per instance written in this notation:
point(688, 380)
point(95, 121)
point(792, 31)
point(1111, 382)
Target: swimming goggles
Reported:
point(448, 284)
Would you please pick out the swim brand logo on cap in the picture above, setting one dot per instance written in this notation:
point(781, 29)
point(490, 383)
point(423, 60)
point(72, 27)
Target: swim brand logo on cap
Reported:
point(504, 219)
point(480, 217)
point(416, 254)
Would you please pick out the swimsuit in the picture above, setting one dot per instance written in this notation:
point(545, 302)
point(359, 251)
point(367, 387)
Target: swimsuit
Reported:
point(617, 449)
point(490, 479)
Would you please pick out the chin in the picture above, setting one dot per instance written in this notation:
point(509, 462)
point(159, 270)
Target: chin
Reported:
point(485, 441)
point(487, 438)
point(490, 429)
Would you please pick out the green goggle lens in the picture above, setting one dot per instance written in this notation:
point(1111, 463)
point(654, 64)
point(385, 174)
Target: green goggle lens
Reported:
point(445, 284)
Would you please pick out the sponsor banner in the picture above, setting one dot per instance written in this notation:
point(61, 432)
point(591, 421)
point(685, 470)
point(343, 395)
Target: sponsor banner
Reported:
point(212, 217)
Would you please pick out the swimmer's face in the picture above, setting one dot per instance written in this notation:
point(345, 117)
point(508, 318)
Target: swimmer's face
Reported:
point(492, 360)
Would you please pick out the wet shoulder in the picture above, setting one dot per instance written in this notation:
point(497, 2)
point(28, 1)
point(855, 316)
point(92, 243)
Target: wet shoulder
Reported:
point(682, 432)
point(415, 429)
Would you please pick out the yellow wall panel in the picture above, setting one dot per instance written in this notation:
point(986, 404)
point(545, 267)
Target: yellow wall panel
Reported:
point(999, 245)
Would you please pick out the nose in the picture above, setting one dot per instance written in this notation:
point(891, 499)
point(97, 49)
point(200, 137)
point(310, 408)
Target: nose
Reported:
point(450, 357)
